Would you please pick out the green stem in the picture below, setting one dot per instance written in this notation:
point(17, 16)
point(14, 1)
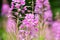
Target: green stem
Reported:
point(32, 7)
point(17, 28)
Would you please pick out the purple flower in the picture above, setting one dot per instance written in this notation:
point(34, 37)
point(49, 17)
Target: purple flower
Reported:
point(30, 23)
point(25, 8)
point(17, 5)
point(38, 7)
point(46, 10)
point(29, 20)
point(47, 14)
point(5, 9)
point(56, 30)
point(29, 16)
point(22, 2)
point(11, 25)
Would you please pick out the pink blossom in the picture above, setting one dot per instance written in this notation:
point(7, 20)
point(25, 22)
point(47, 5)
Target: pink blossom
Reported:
point(11, 25)
point(5, 9)
point(56, 30)
point(17, 5)
point(47, 14)
point(25, 8)
point(30, 25)
point(38, 6)
point(46, 10)
point(29, 16)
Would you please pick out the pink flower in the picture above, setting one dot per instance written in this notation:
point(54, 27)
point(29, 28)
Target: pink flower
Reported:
point(5, 9)
point(46, 3)
point(48, 14)
point(17, 5)
point(29, 24)
point(25, 8)
point(46, 10)
point(11, 25)
point(38, 6)
point(29, 16)
point(23, 11)
point(56, 30)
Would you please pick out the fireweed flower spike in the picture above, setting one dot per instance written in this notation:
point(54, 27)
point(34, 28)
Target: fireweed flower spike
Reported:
point(13, 18)
point(29, 24)
point(42, 8)
point(11, 25)
point(48, 12)
point(47, 18)
point(28, 29)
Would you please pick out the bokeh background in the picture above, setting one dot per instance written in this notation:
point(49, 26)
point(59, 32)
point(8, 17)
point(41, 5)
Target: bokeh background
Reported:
point(55, 7)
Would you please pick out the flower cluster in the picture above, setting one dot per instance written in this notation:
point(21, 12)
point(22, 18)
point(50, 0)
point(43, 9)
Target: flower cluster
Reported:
point(29, 25)
point(48, 12)
point(17, 3)
point(38, 6)
point(11, 26)
point(43, 7)
point(56, 30)
point(30, 20)
point(22, 2)
point(13, 12)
